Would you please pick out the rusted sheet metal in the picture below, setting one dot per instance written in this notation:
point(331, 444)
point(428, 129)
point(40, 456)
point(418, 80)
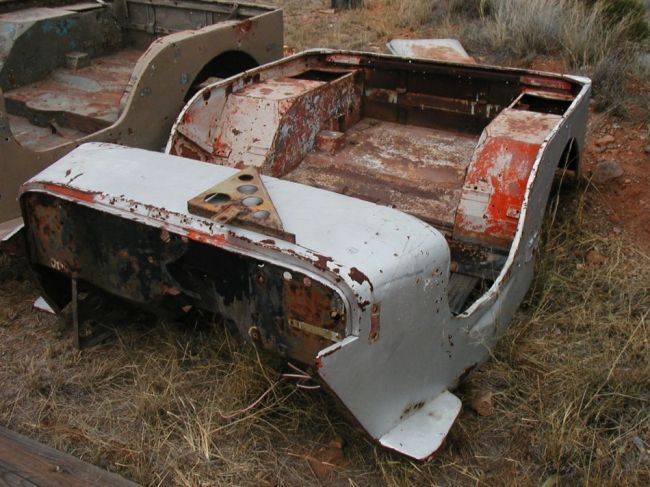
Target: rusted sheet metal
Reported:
point(330, 141)
point(241, 199)
point(273, 124)
point(175, 275)
point(495, 184)
point(144, 59)
point(435, 49)
point(84, 100)
point(417, 170)
point(552, 84)
point(386, 274)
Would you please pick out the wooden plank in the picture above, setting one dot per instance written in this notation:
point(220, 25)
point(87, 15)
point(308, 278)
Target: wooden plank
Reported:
point(25, 462)
point(459, 290)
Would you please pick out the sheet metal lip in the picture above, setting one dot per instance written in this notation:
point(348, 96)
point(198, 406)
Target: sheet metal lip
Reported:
point(583, 80)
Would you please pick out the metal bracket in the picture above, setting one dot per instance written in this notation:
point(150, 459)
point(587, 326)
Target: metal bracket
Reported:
point(81, 342)
point(241, 200)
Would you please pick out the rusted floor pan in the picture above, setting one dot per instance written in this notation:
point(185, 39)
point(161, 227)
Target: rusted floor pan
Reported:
point(417, 170)
point(40, 138)
point(86, 100)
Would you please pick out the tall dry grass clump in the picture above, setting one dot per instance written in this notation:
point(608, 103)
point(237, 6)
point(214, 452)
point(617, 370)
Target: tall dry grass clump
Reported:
point(591, 37)
point(412, 14)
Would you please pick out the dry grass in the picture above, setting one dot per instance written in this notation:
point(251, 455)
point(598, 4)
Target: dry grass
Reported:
point(585, 36)
point(571, 378)
point(583, 33)
point(411, 14)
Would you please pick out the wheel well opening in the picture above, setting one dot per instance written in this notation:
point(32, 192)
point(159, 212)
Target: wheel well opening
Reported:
point(223, 66)
point(570, 159)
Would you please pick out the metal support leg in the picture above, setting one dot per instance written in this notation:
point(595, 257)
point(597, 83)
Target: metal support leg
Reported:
point(75, 315)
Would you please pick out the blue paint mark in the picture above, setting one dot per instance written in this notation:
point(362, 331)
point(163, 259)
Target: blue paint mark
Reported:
point(9, 29)
point(47, 26)
point(58, 27)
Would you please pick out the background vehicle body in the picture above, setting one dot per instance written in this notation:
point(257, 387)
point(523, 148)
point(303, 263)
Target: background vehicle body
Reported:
point(117, 71)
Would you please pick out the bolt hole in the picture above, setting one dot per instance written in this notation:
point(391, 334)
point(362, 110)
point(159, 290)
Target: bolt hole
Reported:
point(246, 177)
point(251, 201)
point(261, 214)
point(247, 188)
point(217, 198)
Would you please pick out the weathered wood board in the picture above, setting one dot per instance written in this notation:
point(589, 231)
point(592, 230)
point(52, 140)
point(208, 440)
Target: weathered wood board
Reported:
point(27, 463)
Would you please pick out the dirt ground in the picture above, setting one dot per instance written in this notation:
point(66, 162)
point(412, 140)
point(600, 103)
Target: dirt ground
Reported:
point(564, 399)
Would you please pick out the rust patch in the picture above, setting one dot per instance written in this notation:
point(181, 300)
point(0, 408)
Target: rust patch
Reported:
point(373, 336)
point(441, 53)
point(363, 304)
point(243, 28)
point(497, 177)
point(548, 83)
point(218, 240)
point(411, 409)
point(241, 200)
point(416, 169)
point(321, 262)
point(71, 192)
point(330, 141)
point(318, 307)
point(359, 277)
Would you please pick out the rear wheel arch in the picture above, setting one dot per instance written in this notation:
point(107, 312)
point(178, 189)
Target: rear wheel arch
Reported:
point(223, 65)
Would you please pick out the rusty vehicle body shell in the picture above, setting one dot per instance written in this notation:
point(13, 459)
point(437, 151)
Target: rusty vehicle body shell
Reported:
point(117, 72)
point(412, 193)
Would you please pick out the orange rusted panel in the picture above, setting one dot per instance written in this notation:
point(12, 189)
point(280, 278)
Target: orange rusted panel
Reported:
point(546, 83)
point(496, 180)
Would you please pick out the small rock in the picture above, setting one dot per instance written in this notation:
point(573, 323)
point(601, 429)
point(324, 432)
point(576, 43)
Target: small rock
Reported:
point(647, 149)
point(638, 442)
point(605, 140)
point(337, 442)
point(552, 481)
point(328, 458)
point(606, 171)
point(594, 258)
point(482, 403)
point(644, 59)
